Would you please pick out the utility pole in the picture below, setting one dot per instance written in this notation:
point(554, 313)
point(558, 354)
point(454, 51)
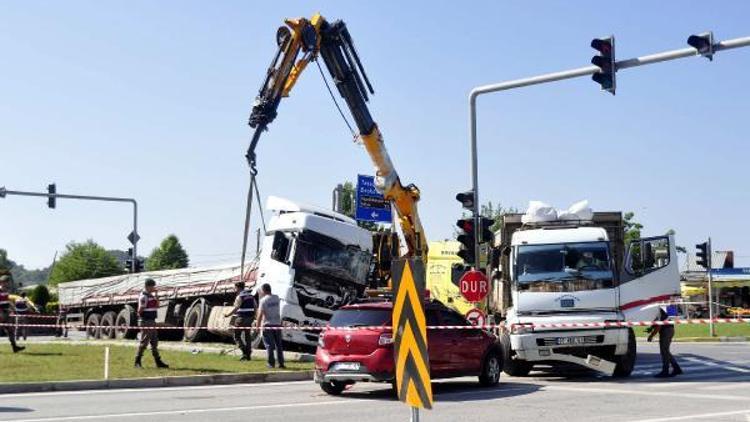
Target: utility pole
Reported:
point(52, 197)
point(711, 310)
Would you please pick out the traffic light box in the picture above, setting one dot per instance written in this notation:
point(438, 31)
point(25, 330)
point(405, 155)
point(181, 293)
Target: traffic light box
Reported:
point(139, 262)
point(702, 256)
point(605, 61)
point(51, 200)
point(468, 234)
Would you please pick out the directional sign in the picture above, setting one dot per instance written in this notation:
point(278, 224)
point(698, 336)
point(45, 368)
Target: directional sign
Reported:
point(410, 334)
point(474, 286)
point(476, 317)
point(133, 237)
point(371, 206)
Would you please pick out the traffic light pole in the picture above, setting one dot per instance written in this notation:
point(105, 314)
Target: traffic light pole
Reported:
point(709, 259)
point(563, 75)
point(135, 237)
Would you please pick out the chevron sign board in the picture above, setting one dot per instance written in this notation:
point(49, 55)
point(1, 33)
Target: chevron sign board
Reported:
point(410, 337)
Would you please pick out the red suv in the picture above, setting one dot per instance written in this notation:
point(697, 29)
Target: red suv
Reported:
point(345, 356)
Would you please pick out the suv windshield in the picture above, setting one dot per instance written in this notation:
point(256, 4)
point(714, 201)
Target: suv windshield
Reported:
point(360, 317)
point(565, 267)
point(322, 254)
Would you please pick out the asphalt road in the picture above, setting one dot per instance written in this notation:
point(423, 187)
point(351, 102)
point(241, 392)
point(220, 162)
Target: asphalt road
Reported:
point(715, 387)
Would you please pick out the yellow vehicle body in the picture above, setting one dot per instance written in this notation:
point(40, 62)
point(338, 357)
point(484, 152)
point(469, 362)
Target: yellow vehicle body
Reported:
point(443, 275)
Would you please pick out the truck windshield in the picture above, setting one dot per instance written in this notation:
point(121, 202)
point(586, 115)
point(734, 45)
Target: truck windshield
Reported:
point(563, 267)
point(319, 253)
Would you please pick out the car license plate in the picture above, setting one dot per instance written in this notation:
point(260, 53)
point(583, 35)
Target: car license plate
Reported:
point(347, 366)
point(570, 340)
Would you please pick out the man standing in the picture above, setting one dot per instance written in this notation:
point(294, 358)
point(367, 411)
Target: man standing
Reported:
point(22, 310)
point(148, 304)
point(6, 306)
point(269, 318)
point(62, 321)
point(244, 309)
point(666, 332)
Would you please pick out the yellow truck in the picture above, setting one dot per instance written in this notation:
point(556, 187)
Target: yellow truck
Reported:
point(444, 269)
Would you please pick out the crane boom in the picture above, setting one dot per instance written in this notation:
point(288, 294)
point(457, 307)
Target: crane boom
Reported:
point(302, 41)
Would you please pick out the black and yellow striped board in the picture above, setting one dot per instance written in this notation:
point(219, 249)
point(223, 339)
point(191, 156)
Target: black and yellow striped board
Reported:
point(410, 334)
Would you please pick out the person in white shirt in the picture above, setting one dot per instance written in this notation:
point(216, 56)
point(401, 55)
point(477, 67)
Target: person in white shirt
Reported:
point(268, 319)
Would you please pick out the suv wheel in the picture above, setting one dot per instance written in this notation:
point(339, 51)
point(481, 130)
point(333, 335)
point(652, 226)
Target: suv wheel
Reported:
point(491, 368)
point(333, 388)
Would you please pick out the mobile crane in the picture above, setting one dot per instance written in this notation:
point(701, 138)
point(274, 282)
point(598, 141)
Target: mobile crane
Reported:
point(302, 41)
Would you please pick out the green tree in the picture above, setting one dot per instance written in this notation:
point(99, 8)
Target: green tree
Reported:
point(169, 255)
point(5, 263)
point(84, 260)
point(632, 227)
point(680, 249)
point(40, 296)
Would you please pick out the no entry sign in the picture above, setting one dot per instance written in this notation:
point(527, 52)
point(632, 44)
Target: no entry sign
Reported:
point(474, 286)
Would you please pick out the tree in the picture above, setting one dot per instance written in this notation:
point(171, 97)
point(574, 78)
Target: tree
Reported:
point(169, 255)
point(489, 210)
point(40, 296)
point(84, 260)
point(680, 249)
point(632, 227)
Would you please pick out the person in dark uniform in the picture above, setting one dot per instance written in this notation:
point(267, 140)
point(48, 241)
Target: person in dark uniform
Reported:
point(6, 307)
point(244, 309)
point(62, 321)
point(22, 310)
point(666, 332)
point(148, 304)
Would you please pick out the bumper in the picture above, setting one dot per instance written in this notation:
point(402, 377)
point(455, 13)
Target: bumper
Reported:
point(374, 367)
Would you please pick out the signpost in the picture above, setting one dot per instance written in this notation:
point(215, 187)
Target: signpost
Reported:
point(370, 204)
point(476, 317)
point(410, 336)
point(474, 286)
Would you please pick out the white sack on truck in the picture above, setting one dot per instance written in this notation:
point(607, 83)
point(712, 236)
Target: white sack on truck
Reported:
point(540, 212)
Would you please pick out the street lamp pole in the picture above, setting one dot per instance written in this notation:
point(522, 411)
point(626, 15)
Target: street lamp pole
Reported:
point(133, 237)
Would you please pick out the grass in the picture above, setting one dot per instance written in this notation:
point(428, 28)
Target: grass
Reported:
point(701, 330)
point(64, 362)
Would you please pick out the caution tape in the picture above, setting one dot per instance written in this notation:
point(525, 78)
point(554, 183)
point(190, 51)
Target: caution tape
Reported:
point(592, 325)
point(34, 316)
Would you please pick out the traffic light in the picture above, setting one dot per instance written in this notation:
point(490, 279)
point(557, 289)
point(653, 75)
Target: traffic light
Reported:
point(51, 200)
point(466, 199)
point(704, 43)
point(702, 256)
point(605, 61)
point(129, 260)
point(485, 234)
point(466, 238)
point(139, 263)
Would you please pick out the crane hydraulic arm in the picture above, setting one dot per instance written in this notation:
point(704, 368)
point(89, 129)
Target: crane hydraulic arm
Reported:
point(302, 41)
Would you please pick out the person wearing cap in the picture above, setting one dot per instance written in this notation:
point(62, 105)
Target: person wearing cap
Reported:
point(148, 305)
point(666, 332)
point(244, 310)
point(23, 304)
point(6, 307)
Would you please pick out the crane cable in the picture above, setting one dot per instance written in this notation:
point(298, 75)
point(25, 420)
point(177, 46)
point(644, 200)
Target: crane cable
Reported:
point(248, 212)
point(336, 103)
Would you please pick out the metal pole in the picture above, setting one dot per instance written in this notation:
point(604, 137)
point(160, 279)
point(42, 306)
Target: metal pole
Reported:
point(559, 76)
point(414, 414)
point(709, 258)
point(257, 242)
point(106, 363)
point(4, 192)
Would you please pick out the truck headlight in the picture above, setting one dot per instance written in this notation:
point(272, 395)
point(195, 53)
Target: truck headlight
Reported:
point(521, 328)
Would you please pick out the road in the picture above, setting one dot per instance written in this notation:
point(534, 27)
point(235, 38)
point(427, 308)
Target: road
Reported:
point(715, 387)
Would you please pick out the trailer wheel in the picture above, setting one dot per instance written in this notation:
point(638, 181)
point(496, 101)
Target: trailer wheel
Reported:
point(108, 325)
point(626, 363)
point(93, 321)
point(125, 318)
point(513, 367)
point(195, 317)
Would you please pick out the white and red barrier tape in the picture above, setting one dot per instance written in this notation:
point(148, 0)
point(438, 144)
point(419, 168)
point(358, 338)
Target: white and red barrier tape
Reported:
point(591, 325)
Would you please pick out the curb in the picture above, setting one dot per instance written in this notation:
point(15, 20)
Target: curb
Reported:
point(182, 381)
point(722, 339)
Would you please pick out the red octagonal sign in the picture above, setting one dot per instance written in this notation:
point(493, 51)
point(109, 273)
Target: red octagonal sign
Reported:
point(474, 286)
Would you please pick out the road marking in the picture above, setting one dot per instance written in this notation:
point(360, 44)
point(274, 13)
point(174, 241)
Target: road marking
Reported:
point(156, 389)
point(719, 365)
point(645, 393)
point(180, 412)
point(698, 416)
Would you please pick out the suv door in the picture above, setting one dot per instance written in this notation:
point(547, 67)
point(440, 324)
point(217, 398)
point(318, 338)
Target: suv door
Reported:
point(466, 345)
point(438, 346)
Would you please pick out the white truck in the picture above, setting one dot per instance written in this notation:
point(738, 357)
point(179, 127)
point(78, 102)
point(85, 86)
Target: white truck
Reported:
point(576, 271)
point(314, 259)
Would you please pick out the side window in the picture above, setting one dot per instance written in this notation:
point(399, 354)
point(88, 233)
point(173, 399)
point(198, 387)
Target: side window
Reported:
point(646, 255)
point(280, 250)
point(452, 318)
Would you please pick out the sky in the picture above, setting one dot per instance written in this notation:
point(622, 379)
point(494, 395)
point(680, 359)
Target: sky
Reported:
point(150, 100)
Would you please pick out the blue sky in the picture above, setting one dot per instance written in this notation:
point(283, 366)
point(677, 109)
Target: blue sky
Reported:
point(150, 100)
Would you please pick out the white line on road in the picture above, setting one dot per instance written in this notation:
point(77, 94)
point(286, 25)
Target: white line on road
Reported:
point(179, 412)
point(645, 393)
point(698, 416)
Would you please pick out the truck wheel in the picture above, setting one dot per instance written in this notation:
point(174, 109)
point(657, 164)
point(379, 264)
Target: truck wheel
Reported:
point(491, 368)
point(108, 325)
point(333, 388)
point(125, 318)
point(93, 321)
point(624, 364)
point(513, 367)
point(196, 317)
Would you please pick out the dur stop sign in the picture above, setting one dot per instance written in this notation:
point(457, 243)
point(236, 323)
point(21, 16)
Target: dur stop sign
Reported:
point(474, 286)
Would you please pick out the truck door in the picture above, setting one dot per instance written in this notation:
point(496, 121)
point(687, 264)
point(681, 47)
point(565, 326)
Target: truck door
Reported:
point(650, 276)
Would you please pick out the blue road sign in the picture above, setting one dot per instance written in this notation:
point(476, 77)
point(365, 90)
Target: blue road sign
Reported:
point(371, 206)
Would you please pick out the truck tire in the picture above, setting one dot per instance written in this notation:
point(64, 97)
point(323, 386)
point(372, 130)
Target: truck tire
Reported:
point(108, 325)
point(491, 368)
point(125, 319)
point(195, 317)
point(624, 364)
point(333, 388)
point(93, 321)
point(513, 367)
